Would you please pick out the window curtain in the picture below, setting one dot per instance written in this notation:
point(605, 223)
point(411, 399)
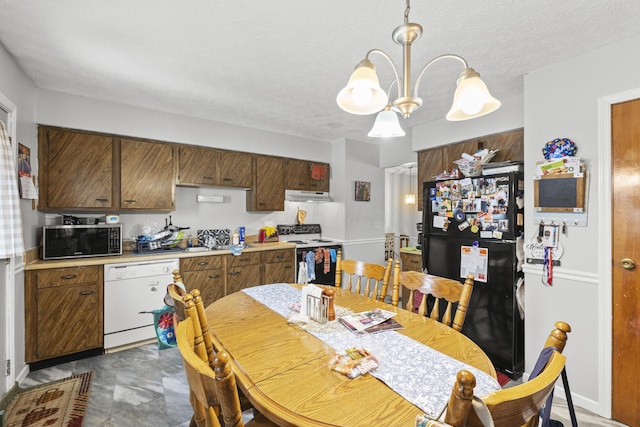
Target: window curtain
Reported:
point(11, 244)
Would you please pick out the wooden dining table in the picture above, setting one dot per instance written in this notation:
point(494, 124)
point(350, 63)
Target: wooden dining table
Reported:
point(284, 370)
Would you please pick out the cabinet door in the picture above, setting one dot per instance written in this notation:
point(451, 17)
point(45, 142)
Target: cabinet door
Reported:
point(76, 170)
point(69, 320)
point(510, 145)
point(268, 193)
point(147, 175)
point(298, 174)
point(430, 164)
point(454, 151)
point(321, 183)
point(210, 283)
point(235, 169)
point(279, 272)
point(239, 278)
point(198, 166)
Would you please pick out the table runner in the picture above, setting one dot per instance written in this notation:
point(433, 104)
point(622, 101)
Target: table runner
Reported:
point(415, 371)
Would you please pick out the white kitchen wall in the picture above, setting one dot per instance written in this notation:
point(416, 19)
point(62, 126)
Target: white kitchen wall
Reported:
point(563, 103)
point(21, 92)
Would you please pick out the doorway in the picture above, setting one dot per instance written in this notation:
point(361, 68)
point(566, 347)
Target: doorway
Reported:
point(625, 290)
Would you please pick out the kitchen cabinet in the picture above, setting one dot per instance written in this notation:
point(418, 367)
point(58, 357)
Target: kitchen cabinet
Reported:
point(300, 176)
point(267, 193)
point(279, 266)
point(76, 170)
point(236, 169)
point(433, 161)
point(63, 311)
point(206, 274)
point(430, 163)
point(198, 166)
point(243, 271)
point(147, 175)
point(411, 261)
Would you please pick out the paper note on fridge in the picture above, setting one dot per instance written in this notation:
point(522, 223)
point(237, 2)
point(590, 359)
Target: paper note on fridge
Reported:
point(439, 221)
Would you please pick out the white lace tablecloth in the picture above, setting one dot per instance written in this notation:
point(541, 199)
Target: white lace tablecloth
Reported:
point(418, 373)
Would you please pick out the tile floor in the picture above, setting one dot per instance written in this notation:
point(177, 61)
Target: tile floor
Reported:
point(145, 387)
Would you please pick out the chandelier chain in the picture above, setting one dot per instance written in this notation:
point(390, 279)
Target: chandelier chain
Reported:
point(406, 12)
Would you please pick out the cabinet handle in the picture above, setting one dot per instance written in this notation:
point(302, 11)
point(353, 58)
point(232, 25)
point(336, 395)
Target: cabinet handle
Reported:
point(227, 179)
point(280, 256)
point(207, 177)
point(102, 200)
point(288, 267)
point(262, 203)
point(234, 273)
point(69, 276)
point(130, 201)
point(85, 293)
point(203, 263)
point(214, 276)
point(244, 259)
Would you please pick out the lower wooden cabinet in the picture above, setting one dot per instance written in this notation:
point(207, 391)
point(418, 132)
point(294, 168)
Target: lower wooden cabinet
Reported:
point(243, 271)
point(63, 312)
point(279, 266)
point(411, 261)
point(206, 274)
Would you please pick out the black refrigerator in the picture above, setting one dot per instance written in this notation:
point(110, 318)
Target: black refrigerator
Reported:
point(475, 225)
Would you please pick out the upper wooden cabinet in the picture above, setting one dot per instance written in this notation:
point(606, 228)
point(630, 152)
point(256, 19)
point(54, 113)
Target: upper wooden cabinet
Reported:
point(198, 166)
point(267, 193)
point(235, 169)
point(86, 171)
point(147, 175)
point(306, 175)
point(76, 170)
point(434, 161)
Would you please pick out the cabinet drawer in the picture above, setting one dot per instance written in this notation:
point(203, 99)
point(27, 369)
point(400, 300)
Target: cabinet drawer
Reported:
point(278, 272)
point(280, 255)
point(67, 276)
point(201, 263)
point(411, 262)
point(246, 258)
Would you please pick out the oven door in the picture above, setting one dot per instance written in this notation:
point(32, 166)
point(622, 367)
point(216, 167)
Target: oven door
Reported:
point(324, 264)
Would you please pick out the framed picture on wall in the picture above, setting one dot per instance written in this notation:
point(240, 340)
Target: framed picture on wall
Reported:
point(363, 191)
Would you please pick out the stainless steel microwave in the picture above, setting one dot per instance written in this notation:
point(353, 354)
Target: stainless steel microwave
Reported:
point(79, 241)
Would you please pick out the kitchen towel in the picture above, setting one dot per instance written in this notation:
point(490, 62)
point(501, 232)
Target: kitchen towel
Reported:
point(311, 265)
point(302, 273)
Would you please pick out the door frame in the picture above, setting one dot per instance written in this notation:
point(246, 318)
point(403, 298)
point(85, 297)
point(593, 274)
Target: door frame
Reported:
point(605, 374)
point(10, 275)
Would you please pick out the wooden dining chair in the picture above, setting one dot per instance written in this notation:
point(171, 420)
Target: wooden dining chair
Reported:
point(190, 305)
point(362, 277)
point(443, 290)
point(214, 391)
point(515, 406)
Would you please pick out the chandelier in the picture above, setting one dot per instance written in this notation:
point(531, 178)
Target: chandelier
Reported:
point(363, 95)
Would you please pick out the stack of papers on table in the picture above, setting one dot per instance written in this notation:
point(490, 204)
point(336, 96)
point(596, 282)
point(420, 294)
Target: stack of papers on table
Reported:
point(368, 322)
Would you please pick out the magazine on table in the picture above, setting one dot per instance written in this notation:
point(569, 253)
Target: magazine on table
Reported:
point(366, 322)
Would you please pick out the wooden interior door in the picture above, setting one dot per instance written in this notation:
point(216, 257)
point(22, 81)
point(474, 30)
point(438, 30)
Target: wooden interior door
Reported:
point(625, 233)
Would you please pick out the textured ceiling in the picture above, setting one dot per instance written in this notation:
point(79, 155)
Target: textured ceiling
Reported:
point(278, 65)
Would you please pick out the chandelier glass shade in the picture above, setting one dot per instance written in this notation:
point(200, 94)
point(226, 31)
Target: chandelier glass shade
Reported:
point(363, 95)
point(386, 125)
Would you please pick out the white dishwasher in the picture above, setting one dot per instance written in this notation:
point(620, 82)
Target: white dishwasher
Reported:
point(129, 289)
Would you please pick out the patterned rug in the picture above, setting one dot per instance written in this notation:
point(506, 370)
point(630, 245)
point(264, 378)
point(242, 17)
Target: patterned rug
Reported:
point(57, 404)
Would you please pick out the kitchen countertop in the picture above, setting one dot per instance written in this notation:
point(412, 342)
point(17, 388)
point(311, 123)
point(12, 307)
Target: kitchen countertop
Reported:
point(129, 256)
point(411, 250)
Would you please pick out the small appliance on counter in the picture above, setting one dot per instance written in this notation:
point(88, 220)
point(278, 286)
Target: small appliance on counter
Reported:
point(81, 241)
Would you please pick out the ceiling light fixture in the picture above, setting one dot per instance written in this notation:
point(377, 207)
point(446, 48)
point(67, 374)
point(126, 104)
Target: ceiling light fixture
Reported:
point(410, 197)
point(363, 94)
point(387, 124)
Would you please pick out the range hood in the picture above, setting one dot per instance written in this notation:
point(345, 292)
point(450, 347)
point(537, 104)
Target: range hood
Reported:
point(306, 196)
